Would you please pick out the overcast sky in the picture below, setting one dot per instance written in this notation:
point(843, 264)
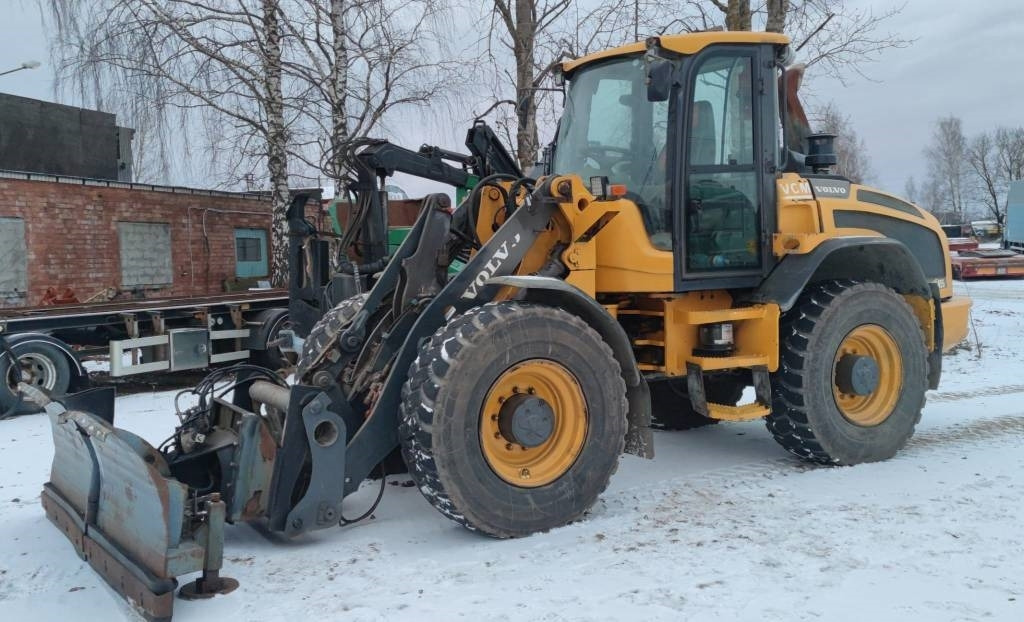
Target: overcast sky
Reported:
point(967, 60)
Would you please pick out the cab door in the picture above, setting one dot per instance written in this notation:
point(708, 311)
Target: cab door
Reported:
point(724, 207)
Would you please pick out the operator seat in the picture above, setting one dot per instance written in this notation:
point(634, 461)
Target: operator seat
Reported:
point(702, 141)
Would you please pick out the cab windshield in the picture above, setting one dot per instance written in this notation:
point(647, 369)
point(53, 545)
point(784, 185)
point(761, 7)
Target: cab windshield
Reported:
point(609, 129)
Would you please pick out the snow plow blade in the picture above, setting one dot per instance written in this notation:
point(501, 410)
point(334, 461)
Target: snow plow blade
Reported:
point(111, 493)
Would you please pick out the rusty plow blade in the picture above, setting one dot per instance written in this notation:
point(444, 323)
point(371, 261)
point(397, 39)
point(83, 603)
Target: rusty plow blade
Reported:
point(112, 494)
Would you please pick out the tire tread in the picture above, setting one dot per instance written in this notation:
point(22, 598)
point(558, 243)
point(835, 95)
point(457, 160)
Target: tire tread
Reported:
point(788, 423)
point(434, 368)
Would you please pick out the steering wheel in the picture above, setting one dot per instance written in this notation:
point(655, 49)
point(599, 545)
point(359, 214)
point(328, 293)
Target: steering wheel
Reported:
point(601, 154)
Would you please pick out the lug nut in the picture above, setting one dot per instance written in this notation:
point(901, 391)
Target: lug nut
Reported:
point(525, 473)
point(508, 446)
point(531, 391)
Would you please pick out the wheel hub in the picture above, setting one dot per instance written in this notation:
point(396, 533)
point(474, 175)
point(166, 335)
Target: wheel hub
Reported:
point(867, 375)
point(857, 375)
point(32, 369)
point(533, 423)
point(527, 420)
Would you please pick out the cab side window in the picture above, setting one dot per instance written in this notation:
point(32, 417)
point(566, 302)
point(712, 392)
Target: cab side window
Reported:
point(722, 208)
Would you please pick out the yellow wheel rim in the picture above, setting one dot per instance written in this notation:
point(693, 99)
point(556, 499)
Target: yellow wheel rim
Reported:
point(875, 407)
point(530, 467)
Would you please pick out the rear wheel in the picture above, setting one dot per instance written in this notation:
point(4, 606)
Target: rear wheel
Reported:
point(513, 418)
point(39, 364)
point(853, 374)
point(670, 401)
point(272, 356)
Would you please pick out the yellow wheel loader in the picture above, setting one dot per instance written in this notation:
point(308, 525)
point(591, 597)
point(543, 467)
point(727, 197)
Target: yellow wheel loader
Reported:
point(683, 242)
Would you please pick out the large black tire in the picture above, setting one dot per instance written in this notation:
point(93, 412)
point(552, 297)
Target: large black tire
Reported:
point(807, 419)
point(47, 368)
point(670, 401)
point(323, 338)
point(444, 423)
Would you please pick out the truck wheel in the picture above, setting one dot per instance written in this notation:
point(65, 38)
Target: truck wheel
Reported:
point(853, 374)
point(40, 364)
point(513, 418)
point(272, 357)
point(670, 402)
point(323, 339)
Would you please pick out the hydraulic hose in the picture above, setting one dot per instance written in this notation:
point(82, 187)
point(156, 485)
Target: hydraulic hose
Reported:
point(513, 192)
point(474, 198)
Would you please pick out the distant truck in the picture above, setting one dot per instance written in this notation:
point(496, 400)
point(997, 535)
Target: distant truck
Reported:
point(152, 335)
point(969, 261)
point(1013, 236)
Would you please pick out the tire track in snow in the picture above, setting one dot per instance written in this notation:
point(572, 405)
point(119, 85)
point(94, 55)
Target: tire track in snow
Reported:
point(947, 439)
point(958, 435)
point(955, 396)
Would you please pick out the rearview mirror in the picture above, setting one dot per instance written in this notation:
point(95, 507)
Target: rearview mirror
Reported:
point(659, 78)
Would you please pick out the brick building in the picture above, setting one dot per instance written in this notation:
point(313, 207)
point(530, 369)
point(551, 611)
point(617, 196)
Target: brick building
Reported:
point(97, 238)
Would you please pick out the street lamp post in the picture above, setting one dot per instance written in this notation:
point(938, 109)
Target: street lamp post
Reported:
point(30, 64)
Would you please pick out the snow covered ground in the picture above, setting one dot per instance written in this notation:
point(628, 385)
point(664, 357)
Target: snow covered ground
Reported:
point(722, 525)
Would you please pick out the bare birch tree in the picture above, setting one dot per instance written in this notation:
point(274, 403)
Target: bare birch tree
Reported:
point(980, 155)
point(1010, 152)
point(359, 60)
point(995, 158)
point(737, 14)
point(947, 166)
point(520, 24)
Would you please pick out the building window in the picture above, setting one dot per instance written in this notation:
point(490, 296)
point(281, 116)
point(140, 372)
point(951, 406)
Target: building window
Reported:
point(13, 262)
point(248, 249)
point(145, 253)
point(251, 252)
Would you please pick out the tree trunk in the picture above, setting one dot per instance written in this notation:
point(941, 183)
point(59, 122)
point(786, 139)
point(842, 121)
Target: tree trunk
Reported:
point(338, 89)
point(523, 45)
point(777, 10)
point(277, 142)
point(737, 15)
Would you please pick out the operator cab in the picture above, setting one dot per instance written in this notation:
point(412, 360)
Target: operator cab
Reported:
point(700, 161)
point(609, 129)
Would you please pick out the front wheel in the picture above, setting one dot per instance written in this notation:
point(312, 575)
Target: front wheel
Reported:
point(513, 418)
point(852, 376)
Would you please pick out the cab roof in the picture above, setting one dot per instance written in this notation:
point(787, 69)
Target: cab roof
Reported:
point(689, 43)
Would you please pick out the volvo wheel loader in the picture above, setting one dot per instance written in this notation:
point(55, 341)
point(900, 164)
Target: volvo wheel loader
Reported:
point(676, 249)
